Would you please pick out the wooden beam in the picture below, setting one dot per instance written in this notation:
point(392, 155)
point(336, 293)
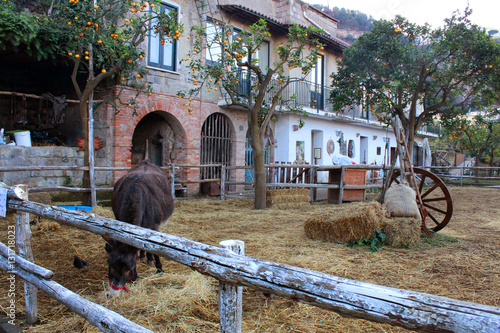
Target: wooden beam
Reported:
point(28, 266)
point(104, 319)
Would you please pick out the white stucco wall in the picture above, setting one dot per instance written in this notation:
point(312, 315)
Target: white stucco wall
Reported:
point(317, 132)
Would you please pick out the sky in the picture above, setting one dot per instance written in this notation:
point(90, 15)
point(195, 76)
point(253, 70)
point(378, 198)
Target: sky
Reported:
point(485, 13)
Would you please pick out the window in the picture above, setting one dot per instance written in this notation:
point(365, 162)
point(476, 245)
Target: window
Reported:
point(317, 85)
point(263, 56)
point(162, 53)
point(213, 51)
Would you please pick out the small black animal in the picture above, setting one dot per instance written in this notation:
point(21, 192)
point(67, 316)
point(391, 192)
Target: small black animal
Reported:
point(141, 197)
point(79, 263)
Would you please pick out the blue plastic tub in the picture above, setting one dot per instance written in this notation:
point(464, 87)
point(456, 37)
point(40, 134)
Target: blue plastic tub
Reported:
point(78, 208)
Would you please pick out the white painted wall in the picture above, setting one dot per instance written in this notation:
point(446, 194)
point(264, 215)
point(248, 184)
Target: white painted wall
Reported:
point(316, 133)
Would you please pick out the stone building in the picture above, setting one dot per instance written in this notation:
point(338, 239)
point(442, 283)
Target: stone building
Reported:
point(160, 127)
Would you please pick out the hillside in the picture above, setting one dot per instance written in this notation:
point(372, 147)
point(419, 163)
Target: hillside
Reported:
point(352, 23)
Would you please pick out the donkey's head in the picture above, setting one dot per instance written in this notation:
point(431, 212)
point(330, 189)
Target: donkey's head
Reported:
point(122, 261)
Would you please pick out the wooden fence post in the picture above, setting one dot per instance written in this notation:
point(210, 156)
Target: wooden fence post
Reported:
point(313, 180)
point(341, 184)
point(231, 296)
point(23, 243)
point(172, 184)
point(223, 182)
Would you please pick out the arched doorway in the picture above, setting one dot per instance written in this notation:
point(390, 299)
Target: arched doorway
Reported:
point(159, 136)
point(216, 144)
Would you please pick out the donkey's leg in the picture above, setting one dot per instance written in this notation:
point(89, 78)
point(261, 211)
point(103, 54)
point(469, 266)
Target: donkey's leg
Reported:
point(150, 259)
point(141, 254)
point(159, 267)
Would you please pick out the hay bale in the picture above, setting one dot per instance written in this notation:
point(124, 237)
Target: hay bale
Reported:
point(400, 201)
point(402, 231)
point(103, 211)
point(287, 198)
point(346, 222)
point(41, 197)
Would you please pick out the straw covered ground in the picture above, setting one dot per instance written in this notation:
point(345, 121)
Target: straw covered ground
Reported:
point(462, 263)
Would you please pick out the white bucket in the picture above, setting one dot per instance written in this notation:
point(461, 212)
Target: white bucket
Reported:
point(23, 138)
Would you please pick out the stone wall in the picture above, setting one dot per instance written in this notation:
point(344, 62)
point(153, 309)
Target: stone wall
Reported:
point(47, 156)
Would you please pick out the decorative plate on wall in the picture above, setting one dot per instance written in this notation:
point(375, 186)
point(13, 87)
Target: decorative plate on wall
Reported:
point(330, 147)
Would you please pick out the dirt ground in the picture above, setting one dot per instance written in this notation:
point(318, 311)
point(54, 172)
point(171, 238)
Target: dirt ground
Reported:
point(464, 264)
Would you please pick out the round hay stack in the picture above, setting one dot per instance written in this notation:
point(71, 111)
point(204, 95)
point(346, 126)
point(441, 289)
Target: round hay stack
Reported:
point(288, 198)
point(402, 231)
point(346, 222)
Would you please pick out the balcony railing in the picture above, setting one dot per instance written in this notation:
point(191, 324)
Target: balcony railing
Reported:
point(313, 97)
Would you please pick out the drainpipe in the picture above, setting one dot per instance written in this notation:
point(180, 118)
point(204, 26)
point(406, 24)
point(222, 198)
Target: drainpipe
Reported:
point(304, 7)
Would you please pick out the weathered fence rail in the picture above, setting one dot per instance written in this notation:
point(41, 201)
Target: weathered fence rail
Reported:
point(99, 316)
point(408, 309)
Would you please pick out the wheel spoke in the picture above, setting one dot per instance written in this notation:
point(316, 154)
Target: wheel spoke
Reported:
point(436, 209)
point(434, 199)
point(432, 218)
point(429, 191)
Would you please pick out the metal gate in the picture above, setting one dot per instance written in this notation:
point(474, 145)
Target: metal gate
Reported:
point(216, 144)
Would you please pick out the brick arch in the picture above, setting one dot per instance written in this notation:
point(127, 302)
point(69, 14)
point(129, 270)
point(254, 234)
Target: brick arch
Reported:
point(126, 123)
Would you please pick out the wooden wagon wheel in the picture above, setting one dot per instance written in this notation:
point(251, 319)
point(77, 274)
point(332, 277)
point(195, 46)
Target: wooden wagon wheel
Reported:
point(435, 197)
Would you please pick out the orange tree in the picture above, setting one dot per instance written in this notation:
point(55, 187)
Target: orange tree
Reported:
point(100, 39)
point(478, 136)
point(416, 73)
point(236, 73)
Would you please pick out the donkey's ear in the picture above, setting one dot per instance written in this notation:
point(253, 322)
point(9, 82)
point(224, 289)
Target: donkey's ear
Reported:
point(110, 240)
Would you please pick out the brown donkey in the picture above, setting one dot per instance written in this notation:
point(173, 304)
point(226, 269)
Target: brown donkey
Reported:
point(142, 197)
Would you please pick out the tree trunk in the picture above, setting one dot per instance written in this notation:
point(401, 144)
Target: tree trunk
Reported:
point(259, 173)
point(476, 170)
point(86, 196)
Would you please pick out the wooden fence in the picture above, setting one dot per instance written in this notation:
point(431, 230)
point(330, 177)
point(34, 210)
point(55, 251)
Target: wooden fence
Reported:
point(408, 309)
point(471, 175)
point(278, 176)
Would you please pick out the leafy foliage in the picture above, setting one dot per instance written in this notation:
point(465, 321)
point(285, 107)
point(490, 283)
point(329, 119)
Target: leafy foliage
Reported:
point(106, 35)
point(474, 136)
point(416, 73)
point(238, 55)
point(22, 31)
point(376, 241)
